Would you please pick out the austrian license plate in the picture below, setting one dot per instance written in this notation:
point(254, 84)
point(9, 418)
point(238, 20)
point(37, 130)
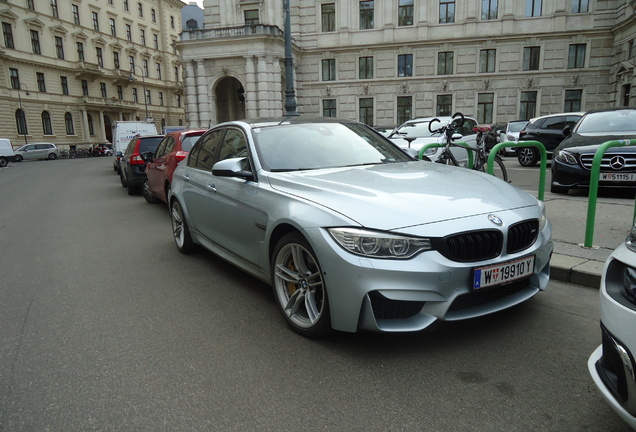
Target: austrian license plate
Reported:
point(503, 272)
point(617, 177)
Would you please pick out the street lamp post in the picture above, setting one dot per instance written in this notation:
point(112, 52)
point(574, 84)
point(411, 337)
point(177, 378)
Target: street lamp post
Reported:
point(143, 79)
point(290, 95)
point(23, 118)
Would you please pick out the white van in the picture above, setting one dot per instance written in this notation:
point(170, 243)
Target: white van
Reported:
point(6, 152)
point(123, 132)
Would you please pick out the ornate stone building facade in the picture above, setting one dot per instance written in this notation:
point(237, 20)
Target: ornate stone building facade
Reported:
point(384, 62)
point(72, 68)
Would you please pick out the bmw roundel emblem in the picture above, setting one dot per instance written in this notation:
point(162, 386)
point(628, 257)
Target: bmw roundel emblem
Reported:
point(494, 219)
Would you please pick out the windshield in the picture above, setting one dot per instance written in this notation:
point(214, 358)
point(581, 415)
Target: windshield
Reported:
point(291, 147)
point(611, 122)
point(416, 130)
point(516, 126)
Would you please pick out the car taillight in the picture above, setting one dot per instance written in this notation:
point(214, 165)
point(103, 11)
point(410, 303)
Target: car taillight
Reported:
point(137, 160)
point(180, 155)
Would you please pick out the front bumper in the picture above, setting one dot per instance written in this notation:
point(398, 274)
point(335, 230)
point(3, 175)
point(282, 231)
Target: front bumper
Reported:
point(577, 177)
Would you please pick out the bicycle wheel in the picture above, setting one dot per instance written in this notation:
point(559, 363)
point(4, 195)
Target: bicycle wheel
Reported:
point(499, 169)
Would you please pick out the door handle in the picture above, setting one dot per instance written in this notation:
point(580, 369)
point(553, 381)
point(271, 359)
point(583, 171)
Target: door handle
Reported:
point(212, 186)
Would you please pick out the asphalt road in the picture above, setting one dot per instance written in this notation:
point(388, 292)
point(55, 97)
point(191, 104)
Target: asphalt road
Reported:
point(105, 326)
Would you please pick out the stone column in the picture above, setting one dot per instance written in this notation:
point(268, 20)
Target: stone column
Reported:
point(101, 136)
point(263, 87)
point(191, 96)
point(203, 97)
point(251, 97)
point(85, 130)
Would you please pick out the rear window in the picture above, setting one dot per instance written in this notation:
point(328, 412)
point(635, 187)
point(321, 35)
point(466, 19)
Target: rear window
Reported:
point(149, 144)
point(188, 142)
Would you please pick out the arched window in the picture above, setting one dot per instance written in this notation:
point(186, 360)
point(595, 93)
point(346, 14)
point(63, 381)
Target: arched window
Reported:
point(163, 125)
point(47, 129)
point(68, 120)
point(91, 129)
point(20, 122)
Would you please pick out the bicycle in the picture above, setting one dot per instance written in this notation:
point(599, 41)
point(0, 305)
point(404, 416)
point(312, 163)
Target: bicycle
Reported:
point(480, 159)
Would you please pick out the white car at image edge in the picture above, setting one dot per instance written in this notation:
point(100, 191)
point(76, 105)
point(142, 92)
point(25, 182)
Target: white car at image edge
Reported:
point(612, 364)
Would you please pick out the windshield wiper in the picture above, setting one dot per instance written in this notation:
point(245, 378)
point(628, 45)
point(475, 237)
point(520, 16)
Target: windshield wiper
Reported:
point(291, 169)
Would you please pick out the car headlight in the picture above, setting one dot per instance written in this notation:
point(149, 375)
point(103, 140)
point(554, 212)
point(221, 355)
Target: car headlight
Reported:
point(629, 284)
point(565, 157)
point(630, 241)
point(376, 244)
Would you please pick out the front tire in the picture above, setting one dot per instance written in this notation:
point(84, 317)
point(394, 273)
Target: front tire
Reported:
point(299, 287)
point(52, 156)
point(180, 229)
point(3, 162)
point(18, 158)
point(150, 198)
point(528, 156)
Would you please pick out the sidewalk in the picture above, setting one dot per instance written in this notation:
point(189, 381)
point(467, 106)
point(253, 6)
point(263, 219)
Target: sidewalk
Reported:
point(571, 262)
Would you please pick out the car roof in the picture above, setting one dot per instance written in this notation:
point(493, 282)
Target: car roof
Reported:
point(579, 113)
point(610, 109)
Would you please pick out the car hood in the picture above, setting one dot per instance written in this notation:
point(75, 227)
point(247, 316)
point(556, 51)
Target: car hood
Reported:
point(590, 142)
point(398, 195)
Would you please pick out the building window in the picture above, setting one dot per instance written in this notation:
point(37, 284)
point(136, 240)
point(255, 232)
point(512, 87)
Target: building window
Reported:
point(328, 15)
point(100, 56)
point(80, 51)
point(251, 17)
point(128, 32)
point(85, 87)
point(446, 11)
point(366, 111)
point(76, 14)
point(158, 70)
point(59, 47)
point(148, 98)
point(140, 9)
point(626, 90)
point(405, 12)
point(145, 68)
point(528, 105)
point(47, 128)
point(161, 98)
point(131, 63)
point(176, 73)
point(179, 101)
point(120, 92)
point(329, 69)
point(30, 4)
point(126, 6)
point(444, 105)
point(365, 67)
point(113, 27)
point(580, 6)
point(487, 60)
point(573, 100)
point(329, 108)
point(531, 58)
point(533, 8)
point(39, 78)
point(445, 63)
point(404, 109)
point(135, 95)
point(489, 9)
point(115, 59)
point(54, 11)
point(102, 89)
point(171, 22)
point(68, 121)
point(405, 65)
point(153, 15)
point(91, 128)
point(35, 42)
point(366, 14)
point(95, 20)
point(15, 78)
point(142, 36)
point(8, 35)
point(20, 121)
point(155, 39)
point(64, 85)
point(485, 107)
point(576, 56)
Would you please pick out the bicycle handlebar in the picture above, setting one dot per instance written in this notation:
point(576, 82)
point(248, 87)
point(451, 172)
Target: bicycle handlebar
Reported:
point(457, 120)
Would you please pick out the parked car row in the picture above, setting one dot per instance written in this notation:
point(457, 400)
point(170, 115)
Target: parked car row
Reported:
point(350, 231)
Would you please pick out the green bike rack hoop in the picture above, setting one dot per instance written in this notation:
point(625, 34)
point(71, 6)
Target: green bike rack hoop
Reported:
point(529, 143)
point(593, 194)
point(420, 154)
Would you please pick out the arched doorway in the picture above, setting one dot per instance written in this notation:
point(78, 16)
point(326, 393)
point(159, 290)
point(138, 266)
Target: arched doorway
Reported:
point(230, 100)
point(108, 129)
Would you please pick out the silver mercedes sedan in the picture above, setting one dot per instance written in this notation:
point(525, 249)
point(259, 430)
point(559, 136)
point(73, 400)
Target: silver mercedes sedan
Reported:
point(351, 232)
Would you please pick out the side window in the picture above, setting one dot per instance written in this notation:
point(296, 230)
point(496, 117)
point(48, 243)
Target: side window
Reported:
point(203, 155)
point(555, 123)
point(234, 145)
point(162, 147)
point(169, 145)
point(572, 120)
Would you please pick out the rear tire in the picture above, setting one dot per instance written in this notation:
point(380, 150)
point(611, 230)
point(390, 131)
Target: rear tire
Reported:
point(180, 229)
point(527, 156)
point(150, 198)
point(3, 162)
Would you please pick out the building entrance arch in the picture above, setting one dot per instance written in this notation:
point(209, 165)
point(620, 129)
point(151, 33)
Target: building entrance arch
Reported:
point(230, 100)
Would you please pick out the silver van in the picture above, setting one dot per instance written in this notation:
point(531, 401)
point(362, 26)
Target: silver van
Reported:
point(36, 151)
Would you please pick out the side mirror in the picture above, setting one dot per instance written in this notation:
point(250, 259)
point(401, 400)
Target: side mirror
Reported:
point(456, 136)
point(233, 168)
point(119, 154)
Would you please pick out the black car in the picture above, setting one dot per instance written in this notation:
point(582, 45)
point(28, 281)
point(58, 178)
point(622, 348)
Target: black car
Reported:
point(548, 130)
point(572, 160)
point(132, 171)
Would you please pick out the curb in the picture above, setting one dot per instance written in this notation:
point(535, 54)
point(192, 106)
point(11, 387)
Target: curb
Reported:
point(579, 271)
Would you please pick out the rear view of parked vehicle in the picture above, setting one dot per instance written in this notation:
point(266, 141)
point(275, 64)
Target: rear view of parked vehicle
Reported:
point(132, 171)
point(173, 149)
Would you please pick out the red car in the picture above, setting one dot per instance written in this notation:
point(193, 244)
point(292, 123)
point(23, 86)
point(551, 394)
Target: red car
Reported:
point(172, 149)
